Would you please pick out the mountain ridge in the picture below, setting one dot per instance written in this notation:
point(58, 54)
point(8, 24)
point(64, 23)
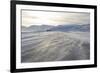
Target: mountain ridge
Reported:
point(64, 28)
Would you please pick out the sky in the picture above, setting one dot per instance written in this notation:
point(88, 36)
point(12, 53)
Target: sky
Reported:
point(53, 18)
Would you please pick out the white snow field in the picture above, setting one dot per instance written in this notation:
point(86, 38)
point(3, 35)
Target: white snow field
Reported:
point(54, 46)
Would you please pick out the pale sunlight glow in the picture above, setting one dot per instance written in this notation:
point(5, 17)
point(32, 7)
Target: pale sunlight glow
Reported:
point(53, 18)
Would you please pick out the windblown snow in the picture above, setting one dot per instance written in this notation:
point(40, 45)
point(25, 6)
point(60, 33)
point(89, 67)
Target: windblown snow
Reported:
point(55, 46)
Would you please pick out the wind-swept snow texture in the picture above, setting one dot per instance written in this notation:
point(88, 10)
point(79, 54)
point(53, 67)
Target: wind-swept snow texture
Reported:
point(54, 46)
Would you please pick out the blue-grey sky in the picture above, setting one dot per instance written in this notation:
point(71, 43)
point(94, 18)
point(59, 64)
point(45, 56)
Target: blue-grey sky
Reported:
point(54, 18)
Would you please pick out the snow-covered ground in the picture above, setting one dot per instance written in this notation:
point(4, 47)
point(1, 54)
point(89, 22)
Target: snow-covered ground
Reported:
point(54, 46)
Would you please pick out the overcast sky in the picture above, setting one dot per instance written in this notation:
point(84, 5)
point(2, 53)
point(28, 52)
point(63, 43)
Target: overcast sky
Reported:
point(53, 18)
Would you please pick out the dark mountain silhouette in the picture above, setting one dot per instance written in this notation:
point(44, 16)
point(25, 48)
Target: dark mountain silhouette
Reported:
point(38, 28)
point(63, 28)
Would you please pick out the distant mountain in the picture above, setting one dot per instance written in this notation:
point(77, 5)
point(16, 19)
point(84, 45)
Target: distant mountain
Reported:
point(38, 28)
point(64, 28)
point(23, 27)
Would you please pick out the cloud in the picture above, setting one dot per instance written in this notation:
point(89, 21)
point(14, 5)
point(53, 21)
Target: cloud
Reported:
point(54, 18)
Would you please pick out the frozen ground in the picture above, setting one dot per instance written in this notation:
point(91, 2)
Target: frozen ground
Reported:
point(54, 46)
